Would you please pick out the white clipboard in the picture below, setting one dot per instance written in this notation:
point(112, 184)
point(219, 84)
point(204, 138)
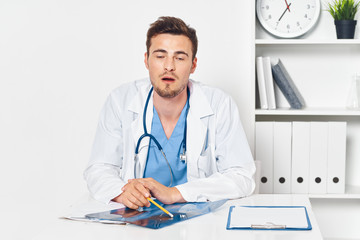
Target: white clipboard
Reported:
point(268, 218)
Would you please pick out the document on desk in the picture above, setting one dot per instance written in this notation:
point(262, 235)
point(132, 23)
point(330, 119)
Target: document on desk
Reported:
point(268, 218)
point(153, 217)
point(87, 205)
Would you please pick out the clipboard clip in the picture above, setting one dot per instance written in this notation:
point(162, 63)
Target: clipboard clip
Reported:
point(268, 225)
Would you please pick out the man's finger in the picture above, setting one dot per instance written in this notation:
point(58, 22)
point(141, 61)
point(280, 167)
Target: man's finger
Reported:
point(133, 197)
point(148, 183)
point(140, 199)
point(131, 184)
point(125, 200)
point(129, 204)
point(124, 187)
point(141, 188)
point(141, 193)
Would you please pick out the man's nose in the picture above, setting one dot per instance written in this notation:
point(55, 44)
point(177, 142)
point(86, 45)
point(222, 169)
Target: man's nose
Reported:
point(169, 65)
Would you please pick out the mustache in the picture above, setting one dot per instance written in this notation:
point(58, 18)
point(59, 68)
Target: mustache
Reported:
point(169, 74)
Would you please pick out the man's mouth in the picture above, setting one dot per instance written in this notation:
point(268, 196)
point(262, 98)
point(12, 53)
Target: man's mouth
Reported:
point(168, 79)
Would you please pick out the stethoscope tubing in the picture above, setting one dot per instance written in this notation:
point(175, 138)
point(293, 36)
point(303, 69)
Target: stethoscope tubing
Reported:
point(146, 134)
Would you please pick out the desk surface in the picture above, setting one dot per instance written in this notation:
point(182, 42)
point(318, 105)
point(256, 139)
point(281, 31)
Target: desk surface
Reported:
point(209, 226)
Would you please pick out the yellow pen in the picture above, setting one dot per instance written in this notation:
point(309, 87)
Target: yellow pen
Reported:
point(161, 208)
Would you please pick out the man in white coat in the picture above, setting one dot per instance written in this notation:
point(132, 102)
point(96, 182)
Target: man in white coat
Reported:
point(204, 153)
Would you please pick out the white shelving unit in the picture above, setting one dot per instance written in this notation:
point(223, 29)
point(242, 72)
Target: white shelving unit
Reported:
point(322, 68)
point(307, 42)
point(308, 111)
point(352, 192)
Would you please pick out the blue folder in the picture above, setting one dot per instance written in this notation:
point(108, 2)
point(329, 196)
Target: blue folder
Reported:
point(270, 226)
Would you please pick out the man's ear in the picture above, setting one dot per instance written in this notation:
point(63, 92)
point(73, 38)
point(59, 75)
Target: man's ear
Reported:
point(146, 60)
point(193, 66)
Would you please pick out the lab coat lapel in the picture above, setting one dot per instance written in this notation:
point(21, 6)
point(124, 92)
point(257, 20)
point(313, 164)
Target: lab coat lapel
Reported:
point(196, 129)
point(137, 106)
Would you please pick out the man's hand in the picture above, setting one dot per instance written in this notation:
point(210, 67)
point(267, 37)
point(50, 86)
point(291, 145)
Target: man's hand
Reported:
point(167, 195)
point(134, 195)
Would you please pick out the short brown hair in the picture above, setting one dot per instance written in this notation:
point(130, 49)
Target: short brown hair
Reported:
point(174, 26)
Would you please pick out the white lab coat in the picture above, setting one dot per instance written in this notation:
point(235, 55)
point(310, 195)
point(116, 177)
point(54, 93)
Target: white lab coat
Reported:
point(219, 161)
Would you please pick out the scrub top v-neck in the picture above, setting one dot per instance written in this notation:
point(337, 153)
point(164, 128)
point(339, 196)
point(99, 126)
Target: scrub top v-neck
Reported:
point(156, 166)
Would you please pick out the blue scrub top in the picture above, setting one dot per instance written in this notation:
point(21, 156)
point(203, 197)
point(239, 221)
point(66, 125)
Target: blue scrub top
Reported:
point(156, 166)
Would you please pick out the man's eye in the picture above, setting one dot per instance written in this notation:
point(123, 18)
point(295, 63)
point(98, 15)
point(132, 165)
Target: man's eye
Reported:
point(180, 58)
point(159, 56)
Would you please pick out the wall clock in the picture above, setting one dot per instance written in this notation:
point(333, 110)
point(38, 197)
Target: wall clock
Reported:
point(288, 18)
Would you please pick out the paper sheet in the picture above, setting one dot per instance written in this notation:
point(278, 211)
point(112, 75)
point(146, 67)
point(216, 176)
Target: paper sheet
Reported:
point(291, 217)
point(87, 206)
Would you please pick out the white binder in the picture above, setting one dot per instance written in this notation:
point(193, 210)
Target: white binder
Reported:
point(261, 83)
point(336, 157)
point(300, 157)
point(264, 153)
point(257, 176)
point(318, 157)
point(269, 83)
point(282, 157)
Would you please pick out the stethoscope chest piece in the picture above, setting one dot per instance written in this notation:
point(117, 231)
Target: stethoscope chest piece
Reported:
point(183, 157)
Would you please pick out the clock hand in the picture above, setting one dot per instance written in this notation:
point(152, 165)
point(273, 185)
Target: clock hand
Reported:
point(287, 6)
point(284, 13)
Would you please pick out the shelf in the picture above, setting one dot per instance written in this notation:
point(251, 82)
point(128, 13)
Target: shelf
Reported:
point(308, 112)
point(351, 192)
point(307, 42)
point(315, 60)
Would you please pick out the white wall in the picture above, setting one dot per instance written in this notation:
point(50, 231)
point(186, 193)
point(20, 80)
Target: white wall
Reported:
point(59, 59)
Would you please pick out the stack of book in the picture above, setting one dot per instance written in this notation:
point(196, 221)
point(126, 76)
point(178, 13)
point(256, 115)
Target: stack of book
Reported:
point(267, 74)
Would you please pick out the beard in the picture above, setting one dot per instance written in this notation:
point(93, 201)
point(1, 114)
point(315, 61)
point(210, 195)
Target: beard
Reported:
point(167, 92)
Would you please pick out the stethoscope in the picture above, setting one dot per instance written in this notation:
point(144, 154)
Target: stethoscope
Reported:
point(182, 156)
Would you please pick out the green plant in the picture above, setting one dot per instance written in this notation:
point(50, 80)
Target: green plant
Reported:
point(343, 9)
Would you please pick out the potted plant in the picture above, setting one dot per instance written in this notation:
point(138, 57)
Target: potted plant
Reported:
point(343, 12)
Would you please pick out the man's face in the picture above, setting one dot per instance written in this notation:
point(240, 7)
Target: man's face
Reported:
point(170, 64)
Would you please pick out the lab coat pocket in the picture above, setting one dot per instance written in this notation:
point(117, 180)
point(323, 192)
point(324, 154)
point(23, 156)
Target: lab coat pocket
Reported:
point(204, 164)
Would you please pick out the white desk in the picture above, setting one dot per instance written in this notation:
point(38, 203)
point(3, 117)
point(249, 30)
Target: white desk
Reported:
point(209, 226)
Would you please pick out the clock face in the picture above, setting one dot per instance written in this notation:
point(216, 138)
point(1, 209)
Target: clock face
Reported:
point(288, 18)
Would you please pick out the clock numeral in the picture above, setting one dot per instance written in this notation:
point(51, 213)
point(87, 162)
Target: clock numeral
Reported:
point(268, 18)
point(288, 26)
point(306, 16)
point(298, 24)
point(308, 6)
